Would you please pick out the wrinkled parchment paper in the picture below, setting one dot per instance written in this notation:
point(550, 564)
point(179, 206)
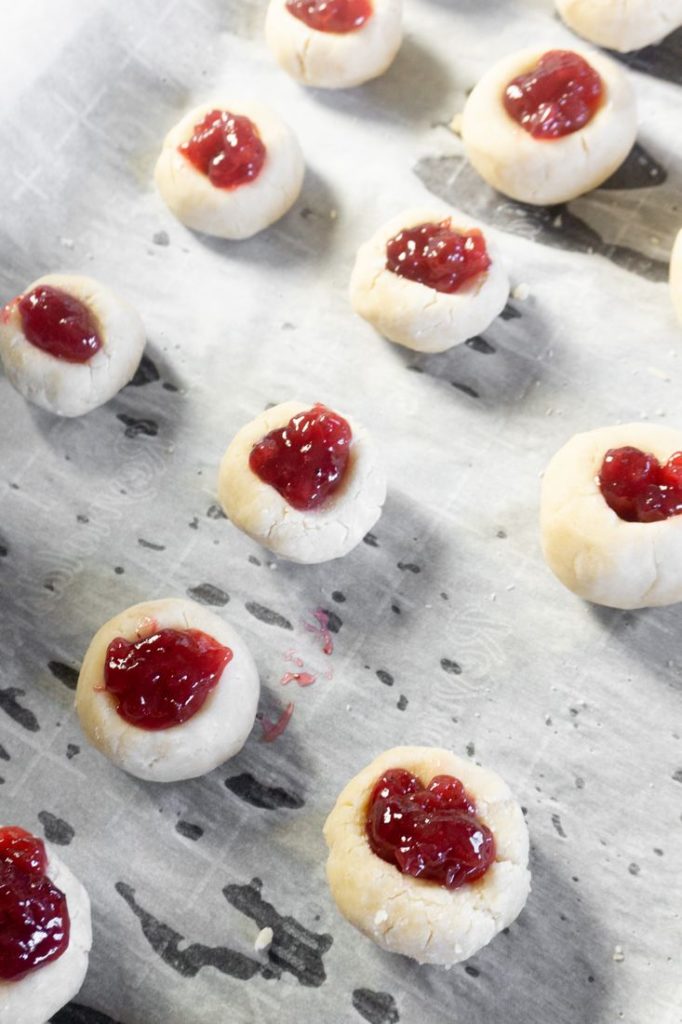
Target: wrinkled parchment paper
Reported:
point(448, 628)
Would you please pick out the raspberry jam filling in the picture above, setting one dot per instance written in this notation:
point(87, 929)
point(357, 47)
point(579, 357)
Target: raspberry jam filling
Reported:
point(226, 148)
point(438, 256)
point(163, 679)
point(638, 488)
point(59, 324)
point(339, 16)
point(306, 460)
point(560, 95)
point(34, 917)
point(430, 832)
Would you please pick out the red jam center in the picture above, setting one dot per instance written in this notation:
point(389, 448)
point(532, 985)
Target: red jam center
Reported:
point(163, 679)
point(340, 16)
point(59, 324)
point(429, 832)
point(305, 461)
point(34, 917)
point(438, 256)
point(558, 96)
point(226, 148)
point(638, 488)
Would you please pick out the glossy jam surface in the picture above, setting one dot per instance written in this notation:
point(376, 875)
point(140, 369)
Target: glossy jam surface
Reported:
point(437, 256)
point(226, 148)
point(59, 324)
point(34, 917)
point(638, 488)
point(560, 95)
point(339, 16)
point(306, 460)
point(429, 832)
point(163, 679)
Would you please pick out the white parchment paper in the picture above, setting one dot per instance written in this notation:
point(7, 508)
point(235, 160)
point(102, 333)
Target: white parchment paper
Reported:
point(449, 628)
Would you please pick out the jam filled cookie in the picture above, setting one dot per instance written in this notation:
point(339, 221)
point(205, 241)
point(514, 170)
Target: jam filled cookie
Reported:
point(303, 481)
point(334, 44)
point(619, 25)
point(611, 515)
point(546, 126)
point(230, 169)
point(167, 690)
point(428, 854)
point(45, 930)
point(676, 276)
point(428, 280)
point(69, 343)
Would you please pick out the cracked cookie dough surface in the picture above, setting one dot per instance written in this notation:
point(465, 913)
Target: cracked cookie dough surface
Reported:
point(547, 171)
point(676, 276)
point(39, 995)
point(412, 314)
point(330, 60)
point(418, 918)
point(594, 552)
point(210, 737)
point(319, 535)
point(233, 213)
point(622, 25)
point(66, 388)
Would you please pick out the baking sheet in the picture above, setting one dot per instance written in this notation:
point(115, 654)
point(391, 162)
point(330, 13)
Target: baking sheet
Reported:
point(448, 627)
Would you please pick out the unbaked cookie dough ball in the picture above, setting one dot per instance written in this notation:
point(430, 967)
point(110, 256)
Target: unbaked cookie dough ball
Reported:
point(334, 44)
point(428, 854)
point(47, 930)
point(545, 126)
point(622, 25)
point(611, 515)
point(429, 280)
point(167, 690)
point(303, 481)
point(230, 168)
point(69, 344)
point(676, 276)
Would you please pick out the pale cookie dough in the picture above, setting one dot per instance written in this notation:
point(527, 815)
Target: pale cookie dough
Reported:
point(321, 534)
point(35, 998)
point(72, 389)
point(239, 212)
point(547, 171)
point(594, 552)
point(622, 25)
point(412, 314)
point(215, 733)
point(676, 276)
point(411, 916)
point(331, 60)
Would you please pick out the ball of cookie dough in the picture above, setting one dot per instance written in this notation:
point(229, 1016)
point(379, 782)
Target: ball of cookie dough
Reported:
point(59, 384)
point(416, 315)
point(595, 553)
point(215, 733)
point(37, 996)
point(622, 26)
point(244, 209)
point(676, 276)
point(335, 60)
point(412, 916)
point(545, 171)
point(301, 535)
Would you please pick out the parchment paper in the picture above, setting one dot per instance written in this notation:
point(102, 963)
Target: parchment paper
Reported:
point(449, 629)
